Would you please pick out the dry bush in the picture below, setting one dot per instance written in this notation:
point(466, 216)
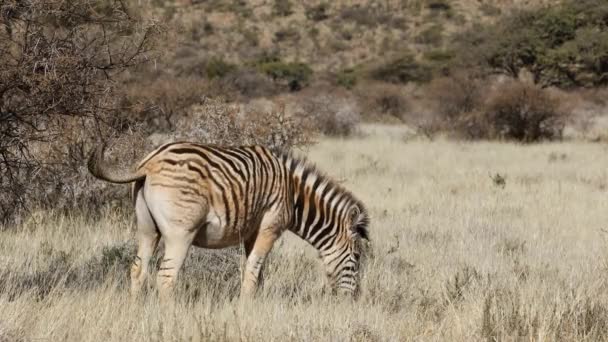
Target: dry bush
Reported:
point(57, 63)
point(384, 99)
point(512, 110)
point(159, 102)
point(331, 113)
point(523, 112)
point(455, 95)
point(216, 121)
point(250, 83)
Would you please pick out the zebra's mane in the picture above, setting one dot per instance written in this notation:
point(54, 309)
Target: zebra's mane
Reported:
point(361, 226)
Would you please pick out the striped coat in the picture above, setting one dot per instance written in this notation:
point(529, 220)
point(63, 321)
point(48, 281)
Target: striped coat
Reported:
point(214, 197)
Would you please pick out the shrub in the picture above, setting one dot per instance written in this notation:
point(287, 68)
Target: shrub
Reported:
point(318, 12)
point(385, 99)
point(331, 114)
point(250, 83)
point(432, 35)
point(217, 68)
point(440, 61)
point(286, 34)
point(490, 9)
point(523, 112)
point(563, 45)
point(216, 121)
point(366, 16)
point(403, 69)
point(58, 93)
point(512, 110)
point(282, 8)
point(294, 75)
point(439, 5)
point(455, 95)
point(163, 100)
point(347, 78)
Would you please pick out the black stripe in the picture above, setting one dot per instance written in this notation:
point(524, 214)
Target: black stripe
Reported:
point(321, 232)
point(323, 241)
point(332, 238)
point(195, 169)
point(258, 176)
point(156, 153)
point(330, 208)
point(184, 179)
point(313, 210)
point(273, 173)
point(247, 162)
point(339, 213)
point(266, 191)
point(195, 151)
point(234, 154)
point(342, 261)
point(181, 186)
point(302, 197)
point(236, 199)
point(220, 155)
point(299, 206)
point(340, 256)
point(250, 195)
point(172, 162)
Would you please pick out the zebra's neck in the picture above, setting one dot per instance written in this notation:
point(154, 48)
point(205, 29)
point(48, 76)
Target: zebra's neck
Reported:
point(319, 205)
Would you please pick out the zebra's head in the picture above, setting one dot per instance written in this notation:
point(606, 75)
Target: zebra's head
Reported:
point(344, 264)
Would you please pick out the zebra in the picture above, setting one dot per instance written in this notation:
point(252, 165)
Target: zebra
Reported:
point(217, 196)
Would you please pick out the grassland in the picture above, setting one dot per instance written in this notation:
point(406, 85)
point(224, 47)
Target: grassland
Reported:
point(471, 241)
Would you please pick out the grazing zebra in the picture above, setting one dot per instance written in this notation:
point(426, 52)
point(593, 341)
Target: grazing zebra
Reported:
point(215, 197)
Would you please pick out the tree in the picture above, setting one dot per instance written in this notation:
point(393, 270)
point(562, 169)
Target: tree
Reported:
point(58, 65)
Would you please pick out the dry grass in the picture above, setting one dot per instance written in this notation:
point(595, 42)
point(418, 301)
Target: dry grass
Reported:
point(456, 257)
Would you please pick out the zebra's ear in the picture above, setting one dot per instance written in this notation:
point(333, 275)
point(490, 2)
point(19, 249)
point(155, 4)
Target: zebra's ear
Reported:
point(353, 214)
point(358, 225)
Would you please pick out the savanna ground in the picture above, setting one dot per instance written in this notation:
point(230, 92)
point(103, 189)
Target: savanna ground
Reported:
point(471, 241)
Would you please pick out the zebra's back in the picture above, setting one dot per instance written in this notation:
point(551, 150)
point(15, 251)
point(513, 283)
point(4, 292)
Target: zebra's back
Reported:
point(226, 190)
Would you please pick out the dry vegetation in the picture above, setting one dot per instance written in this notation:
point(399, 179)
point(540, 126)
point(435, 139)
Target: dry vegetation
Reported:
point(471, 241)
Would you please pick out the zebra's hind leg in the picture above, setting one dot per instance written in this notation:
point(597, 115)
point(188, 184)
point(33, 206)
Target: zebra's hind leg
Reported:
point(147, 241)
point(257, 250)
point(177, 244)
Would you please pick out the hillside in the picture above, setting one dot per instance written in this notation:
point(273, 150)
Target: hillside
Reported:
point(328, 36)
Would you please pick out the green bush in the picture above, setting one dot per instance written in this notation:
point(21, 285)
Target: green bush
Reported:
point(318, 12)
point(439, 5)
point(347, 78)
point(295, 75)
point(282, 8)
point(564, 45)
point(366, 16)
point(403, 69)
point(286, 34)
point(440, 61)
point(490, 9)
point(217, 68)
point(432, 35)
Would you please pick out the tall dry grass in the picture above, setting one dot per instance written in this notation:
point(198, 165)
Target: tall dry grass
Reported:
point(471, 241)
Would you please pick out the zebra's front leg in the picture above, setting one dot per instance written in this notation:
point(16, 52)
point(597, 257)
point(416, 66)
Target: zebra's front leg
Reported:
point(257, 250)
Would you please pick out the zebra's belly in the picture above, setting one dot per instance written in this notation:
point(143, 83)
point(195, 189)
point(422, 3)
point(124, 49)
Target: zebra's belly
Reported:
point(214, 234)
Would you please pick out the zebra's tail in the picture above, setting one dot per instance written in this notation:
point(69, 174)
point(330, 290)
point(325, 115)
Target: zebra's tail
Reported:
point(111, 173)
